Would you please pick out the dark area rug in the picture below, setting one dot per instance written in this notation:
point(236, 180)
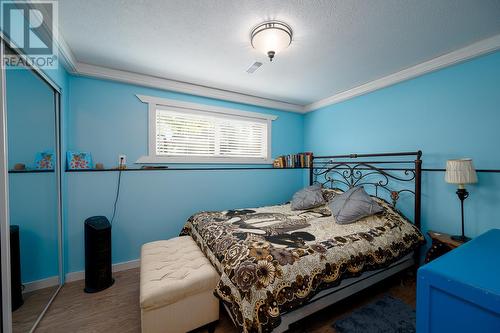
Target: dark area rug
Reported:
point(387, 314)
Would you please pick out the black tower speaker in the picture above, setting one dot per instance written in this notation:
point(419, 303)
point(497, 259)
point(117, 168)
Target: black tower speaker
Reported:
point(97, 254)
point(15, 268)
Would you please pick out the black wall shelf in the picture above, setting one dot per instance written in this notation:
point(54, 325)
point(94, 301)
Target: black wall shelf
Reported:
point(477, 170)
point(31, 171)
point(181, 169)
point(225, 168)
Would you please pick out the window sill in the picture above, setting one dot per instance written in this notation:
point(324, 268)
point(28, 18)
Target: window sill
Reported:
point(200, 160)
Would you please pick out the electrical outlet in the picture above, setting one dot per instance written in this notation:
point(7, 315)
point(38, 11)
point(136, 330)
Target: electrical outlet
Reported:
point(122, 160)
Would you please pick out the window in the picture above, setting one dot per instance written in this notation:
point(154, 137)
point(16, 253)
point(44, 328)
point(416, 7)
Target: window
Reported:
point(182, 132)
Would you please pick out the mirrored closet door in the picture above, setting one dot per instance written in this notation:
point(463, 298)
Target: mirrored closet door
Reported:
point(31, 109)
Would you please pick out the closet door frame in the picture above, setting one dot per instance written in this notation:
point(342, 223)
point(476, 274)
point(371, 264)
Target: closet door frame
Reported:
point(4, 204)
point(4, 192)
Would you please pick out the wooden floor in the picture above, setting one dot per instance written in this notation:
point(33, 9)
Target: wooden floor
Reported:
point(25, 317)
point(117, 308)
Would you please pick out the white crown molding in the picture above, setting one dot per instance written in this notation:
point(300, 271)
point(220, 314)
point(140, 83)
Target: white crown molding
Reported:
point(83, 69)
point(473, 50)
point(479, 48)
point(69, 60)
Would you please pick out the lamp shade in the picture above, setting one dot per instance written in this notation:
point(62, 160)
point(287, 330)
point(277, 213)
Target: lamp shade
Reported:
point(460, 172)
point(271, 37)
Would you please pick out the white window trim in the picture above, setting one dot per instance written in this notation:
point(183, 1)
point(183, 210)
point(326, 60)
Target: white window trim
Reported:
point(157, 102)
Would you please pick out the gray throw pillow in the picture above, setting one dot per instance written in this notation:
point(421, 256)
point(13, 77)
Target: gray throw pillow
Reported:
point(353, 205)
point(308, 197)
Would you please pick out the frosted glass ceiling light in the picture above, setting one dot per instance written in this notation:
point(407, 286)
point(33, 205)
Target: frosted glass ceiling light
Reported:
point(271, 37)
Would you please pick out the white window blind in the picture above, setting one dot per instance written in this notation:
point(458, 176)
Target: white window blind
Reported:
point(196, 134)
point(187, 132)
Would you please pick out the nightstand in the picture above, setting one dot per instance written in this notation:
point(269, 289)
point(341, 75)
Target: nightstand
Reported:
point(441, 244)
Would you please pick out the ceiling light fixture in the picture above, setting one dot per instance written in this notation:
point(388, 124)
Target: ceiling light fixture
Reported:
point(271, 37)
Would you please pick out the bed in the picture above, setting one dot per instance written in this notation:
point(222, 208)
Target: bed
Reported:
point(278, 265)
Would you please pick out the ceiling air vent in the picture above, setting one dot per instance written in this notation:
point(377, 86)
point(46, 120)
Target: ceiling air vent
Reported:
point(254, 67)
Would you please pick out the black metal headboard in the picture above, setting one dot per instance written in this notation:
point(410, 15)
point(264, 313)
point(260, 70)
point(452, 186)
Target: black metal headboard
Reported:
point(346, 171)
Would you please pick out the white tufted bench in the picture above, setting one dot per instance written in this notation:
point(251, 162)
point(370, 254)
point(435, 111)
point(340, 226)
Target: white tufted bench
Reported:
point(177, 284)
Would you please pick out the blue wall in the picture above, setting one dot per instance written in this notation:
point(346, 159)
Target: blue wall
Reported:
point(32, 197)
point(447, 114)
point(107, 119)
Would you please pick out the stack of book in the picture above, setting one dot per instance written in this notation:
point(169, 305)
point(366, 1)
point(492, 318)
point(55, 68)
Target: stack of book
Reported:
point(300, 160)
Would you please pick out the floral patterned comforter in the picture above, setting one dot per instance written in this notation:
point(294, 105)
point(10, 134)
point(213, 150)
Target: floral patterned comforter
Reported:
point(273, 259)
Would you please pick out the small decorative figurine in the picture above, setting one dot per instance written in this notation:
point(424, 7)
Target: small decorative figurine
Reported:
point(19, 167)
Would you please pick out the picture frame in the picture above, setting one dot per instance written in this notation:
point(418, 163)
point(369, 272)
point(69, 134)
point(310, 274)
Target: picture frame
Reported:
point(44, 160)
point(77, 160)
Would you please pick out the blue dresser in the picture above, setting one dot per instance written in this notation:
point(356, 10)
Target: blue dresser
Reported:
point(460, 291)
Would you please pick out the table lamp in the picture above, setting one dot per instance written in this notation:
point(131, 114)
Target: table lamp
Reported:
point(461, 172)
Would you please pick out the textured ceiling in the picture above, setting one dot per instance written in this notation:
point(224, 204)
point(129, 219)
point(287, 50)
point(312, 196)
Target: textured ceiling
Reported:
point(337, 45)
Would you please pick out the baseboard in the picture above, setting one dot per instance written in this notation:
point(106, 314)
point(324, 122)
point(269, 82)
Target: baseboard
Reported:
point(41, 284)
point(121, 266)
